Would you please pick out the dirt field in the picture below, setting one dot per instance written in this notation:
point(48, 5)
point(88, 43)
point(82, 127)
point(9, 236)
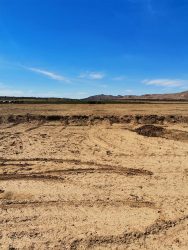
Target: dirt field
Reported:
point(94, 177)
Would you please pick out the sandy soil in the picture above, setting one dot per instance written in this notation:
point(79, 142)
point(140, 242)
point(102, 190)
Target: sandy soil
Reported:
point(98, 109)
point(93, 185)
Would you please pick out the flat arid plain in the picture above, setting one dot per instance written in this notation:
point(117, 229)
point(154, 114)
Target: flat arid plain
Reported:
point(94, 176)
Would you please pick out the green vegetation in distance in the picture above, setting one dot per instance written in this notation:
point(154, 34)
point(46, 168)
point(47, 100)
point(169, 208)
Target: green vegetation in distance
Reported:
point(39, 100)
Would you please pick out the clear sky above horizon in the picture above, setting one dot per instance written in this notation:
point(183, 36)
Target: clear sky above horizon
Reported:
point(78, 48)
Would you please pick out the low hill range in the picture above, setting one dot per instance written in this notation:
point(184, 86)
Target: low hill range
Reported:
point(174, 96)
point(147, 98)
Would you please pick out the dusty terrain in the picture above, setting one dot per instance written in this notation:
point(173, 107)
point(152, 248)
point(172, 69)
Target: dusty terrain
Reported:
point(94, 177)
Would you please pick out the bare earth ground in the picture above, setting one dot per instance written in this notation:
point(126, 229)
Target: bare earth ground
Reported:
point(90, 183)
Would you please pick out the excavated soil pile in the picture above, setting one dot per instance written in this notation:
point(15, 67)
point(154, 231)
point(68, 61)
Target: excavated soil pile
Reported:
point(85, 120)
point(150, 131)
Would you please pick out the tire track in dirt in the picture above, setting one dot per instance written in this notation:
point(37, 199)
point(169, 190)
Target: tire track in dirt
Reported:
point(127, 238)
point(4, 164)
point(96, 167)
point(89, 203)
point(111, 170)
point(56, 160)
point(34, 127)
point(18, 220)
point(95, 138)
point(45, 175)
point(5, 177)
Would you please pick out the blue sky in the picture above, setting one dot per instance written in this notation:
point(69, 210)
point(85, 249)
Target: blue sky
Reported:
point(78, 48)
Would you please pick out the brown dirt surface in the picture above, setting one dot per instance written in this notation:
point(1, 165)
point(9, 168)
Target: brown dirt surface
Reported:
point(94, 177)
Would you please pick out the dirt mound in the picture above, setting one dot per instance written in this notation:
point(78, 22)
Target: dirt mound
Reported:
point(150, 131)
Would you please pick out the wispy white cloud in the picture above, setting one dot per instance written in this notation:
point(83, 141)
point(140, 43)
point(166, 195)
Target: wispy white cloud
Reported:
point(165, 82)
point(92, 75)
point(119, 78)
point(49, 74)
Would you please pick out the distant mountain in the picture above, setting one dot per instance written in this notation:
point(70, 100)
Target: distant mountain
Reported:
point(175, 96)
